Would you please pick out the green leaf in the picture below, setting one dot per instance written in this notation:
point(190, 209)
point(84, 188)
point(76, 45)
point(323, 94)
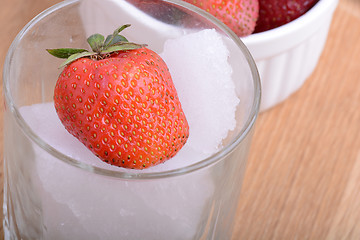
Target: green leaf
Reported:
point(110, 40)
point(77, 56)
point(65, 52)
point(123, 47)
point(96, 42)
point(115, 37)
point(118, 30)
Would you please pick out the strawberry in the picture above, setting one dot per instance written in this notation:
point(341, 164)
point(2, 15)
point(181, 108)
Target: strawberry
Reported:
point(275, 13)
point(239, 15)
point(120, 102)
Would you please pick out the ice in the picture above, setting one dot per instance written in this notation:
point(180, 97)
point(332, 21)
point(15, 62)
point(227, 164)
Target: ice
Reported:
point(199, 65)
point(81, 205)
point(78, 204)
point(42, 118)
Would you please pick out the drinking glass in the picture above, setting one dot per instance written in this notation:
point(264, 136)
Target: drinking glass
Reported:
point(50, 195)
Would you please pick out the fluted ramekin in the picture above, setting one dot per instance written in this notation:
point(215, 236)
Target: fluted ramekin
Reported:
point(286, 56)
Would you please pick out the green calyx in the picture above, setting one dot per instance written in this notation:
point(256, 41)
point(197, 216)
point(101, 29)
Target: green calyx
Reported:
point(100, 47)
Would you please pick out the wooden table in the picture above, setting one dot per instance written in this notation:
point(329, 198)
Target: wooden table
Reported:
point(303, 175)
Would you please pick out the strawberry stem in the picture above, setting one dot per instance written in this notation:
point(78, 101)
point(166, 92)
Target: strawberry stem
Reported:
point(100, 47)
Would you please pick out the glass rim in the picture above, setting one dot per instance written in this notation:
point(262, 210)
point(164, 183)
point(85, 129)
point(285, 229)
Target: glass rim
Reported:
point(249, 123)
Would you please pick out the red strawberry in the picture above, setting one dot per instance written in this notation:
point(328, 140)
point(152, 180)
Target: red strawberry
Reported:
point(239, 15)
point(120, 102)
point(275, 13)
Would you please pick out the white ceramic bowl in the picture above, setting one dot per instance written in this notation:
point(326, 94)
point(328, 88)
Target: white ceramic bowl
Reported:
point(287, 55)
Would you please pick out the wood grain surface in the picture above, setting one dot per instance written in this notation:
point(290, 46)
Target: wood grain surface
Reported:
point(303, 174)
